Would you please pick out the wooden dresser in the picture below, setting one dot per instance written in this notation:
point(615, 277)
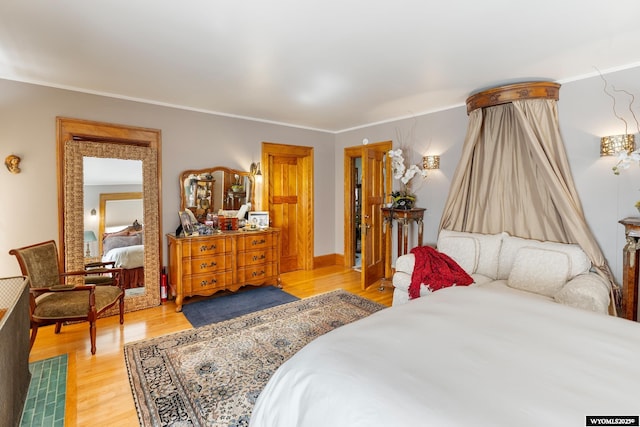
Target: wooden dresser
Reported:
point(204, 265)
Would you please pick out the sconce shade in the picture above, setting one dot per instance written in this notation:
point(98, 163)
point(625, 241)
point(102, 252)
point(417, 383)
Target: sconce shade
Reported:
point(90, 236)
point(255, 169)
point(610, 145)
point(93, 212)
point(431, 162)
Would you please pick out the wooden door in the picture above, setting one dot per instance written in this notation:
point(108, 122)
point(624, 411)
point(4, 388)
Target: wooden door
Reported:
point(373, 199)
point(375, 187)
point(288, 190)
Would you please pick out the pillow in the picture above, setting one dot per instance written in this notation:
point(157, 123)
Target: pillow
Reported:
point(112, 242)
point(587, 291)
point(487, 253)
point(541, 271)
point(579, 261)
point(463, 250)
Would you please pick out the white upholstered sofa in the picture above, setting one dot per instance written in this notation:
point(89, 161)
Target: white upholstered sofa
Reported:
point(548, 270)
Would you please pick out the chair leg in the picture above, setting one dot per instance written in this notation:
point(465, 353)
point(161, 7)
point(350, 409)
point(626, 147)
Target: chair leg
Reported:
point(34, 332)
point(58, 327)
point(92, 334)
point(121, 304)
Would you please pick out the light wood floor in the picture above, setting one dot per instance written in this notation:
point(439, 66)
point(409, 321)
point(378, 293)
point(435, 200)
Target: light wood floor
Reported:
point(98, 391)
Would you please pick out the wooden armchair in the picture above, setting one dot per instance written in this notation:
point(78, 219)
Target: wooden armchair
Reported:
point(52, 300)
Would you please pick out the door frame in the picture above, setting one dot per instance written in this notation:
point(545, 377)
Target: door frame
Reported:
point(350, 154)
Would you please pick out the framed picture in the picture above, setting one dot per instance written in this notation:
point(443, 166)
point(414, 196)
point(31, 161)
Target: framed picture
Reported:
point(187, 220)
point(259, 218)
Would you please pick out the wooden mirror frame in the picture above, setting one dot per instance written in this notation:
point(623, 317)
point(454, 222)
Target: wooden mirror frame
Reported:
point(111, 197)
point(184, 175)
point(77, 139)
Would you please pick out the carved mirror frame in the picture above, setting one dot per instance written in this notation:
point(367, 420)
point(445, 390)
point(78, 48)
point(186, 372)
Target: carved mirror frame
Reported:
point(249, 194)
point(77, 139)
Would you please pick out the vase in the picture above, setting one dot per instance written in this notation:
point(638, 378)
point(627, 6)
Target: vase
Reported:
point(405, 202)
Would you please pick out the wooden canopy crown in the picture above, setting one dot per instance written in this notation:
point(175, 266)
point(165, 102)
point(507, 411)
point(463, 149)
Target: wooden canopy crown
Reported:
point(505, 94)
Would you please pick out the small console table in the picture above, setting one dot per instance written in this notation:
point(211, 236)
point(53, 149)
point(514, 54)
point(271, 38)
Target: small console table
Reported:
point(631, 268)
point(403, 217)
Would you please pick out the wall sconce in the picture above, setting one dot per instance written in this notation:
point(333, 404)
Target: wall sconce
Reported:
point(12, 162)
point(93, 212)
point(431, 162)
point(611, 145)
point(255, 169)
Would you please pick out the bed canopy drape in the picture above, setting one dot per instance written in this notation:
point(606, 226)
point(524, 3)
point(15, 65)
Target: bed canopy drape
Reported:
point(514, 175)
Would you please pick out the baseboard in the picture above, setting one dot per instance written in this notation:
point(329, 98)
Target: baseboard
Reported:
point(328, 260)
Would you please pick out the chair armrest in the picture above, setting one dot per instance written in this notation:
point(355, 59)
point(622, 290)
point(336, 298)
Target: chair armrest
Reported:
point(97, 264)
point(588, 291)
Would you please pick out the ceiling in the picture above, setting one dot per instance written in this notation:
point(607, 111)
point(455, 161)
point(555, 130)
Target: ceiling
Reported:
point(330, 66)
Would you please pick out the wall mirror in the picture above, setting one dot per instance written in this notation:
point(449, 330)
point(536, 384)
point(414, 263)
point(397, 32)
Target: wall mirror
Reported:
point(81, 139)
point(206, 191)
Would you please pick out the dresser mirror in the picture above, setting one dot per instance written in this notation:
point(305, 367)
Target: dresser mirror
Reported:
point(205, 191)
point(79, 140)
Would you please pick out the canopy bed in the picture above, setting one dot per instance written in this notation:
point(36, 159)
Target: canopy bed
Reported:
point(473, 355)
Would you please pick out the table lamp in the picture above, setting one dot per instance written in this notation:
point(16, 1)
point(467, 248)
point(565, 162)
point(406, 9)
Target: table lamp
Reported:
point(89, 236)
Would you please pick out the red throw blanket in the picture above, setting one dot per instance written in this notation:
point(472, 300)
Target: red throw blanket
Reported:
point(436, 270)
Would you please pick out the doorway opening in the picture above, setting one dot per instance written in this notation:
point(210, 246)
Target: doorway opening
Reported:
point(366, 191)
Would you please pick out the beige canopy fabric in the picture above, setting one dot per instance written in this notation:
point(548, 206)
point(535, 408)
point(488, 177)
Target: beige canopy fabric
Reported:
point(514, 176)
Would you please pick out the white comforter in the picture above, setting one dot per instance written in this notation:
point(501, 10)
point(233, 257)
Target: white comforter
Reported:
point(126, 257)
point(460, 357)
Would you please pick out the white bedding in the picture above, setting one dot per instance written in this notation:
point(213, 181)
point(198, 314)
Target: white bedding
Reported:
point(126, 257)
point(460, 357)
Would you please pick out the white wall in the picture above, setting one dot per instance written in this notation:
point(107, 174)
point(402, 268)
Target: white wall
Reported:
point(190, 140)
point(585, 114)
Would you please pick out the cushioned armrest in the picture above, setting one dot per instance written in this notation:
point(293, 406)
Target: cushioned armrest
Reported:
point(587, 291)
point(406, 263)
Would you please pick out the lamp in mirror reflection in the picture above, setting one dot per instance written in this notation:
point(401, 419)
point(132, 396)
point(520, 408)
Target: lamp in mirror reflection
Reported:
point(89, 236)
point(431, 162)
point(610, 145)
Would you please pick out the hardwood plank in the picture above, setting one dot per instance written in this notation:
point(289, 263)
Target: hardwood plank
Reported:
point(98, 391)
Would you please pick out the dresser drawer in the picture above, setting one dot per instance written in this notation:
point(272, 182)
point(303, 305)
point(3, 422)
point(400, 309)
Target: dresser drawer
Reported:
point(205, 247)
point(257, 257)
point(206, 264)
point(209, 282)
point(255, 241)
point(255, 275)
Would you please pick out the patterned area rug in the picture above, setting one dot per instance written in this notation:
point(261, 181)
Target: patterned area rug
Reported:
point(211, 376)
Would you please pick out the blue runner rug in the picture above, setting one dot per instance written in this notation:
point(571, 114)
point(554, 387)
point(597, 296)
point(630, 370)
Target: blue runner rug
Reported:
point(227, 307)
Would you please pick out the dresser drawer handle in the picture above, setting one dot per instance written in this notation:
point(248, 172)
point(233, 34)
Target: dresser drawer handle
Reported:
point(258, 273)
point(259, 242)
point(210, 282)
point(205, 248)
point(205, 265)
point(256, 257)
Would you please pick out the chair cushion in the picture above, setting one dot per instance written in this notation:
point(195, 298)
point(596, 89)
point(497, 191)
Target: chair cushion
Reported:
point(73, 304)
point(579, 262)
point(485, 255)
point(538, 270)
point(464, 250)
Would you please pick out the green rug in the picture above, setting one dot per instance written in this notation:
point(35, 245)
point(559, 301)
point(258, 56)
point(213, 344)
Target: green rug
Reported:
point(211, 376)
point(45, 402)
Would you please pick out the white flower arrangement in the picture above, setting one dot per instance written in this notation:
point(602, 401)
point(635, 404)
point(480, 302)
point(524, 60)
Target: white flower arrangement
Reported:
point(403, 173)
point(625, 159)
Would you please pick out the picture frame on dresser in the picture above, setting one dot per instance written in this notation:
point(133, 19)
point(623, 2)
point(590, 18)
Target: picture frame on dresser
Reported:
point(259, 218)
point(187, 223)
